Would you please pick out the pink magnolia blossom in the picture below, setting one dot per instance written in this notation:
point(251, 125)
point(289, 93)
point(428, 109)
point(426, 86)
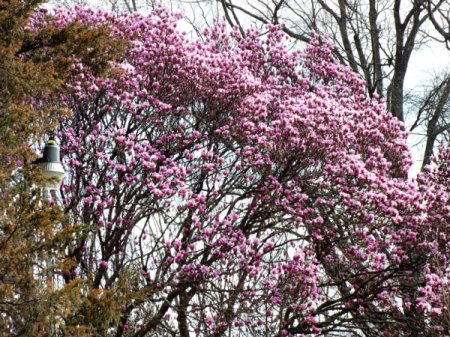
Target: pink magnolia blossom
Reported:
point(259, 188)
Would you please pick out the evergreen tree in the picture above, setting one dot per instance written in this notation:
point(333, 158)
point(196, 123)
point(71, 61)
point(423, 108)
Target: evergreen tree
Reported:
point(36, 56)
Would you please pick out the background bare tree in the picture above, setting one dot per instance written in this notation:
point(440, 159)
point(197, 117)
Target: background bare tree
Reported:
point(439, 13)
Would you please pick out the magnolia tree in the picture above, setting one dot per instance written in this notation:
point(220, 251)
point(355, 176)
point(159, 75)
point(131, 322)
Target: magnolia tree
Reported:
point(230, 187)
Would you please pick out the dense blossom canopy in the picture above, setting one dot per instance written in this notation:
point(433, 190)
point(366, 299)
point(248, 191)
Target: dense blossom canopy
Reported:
point(232, 187)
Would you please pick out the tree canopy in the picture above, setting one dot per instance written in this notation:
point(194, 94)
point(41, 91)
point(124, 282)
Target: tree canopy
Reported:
point(229, 186)
point(226, 187)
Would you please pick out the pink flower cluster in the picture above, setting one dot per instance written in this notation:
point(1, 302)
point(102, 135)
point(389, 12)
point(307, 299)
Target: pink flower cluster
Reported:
point(257, 189)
